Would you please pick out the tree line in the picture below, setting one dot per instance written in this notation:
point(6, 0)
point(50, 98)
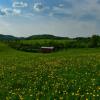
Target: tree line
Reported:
point(34, 46)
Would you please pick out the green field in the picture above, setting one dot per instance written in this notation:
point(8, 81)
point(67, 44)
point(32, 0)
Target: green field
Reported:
point(65, 75)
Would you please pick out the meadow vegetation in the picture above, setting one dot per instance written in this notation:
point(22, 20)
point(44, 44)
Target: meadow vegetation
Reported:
point(34, 44)
point(72, 74)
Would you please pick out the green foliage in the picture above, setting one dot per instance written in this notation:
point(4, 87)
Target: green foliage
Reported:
point(95, 41)
point(45, 36)
point(7, 37)
point(34, 43)
point(65, 75)
point(63, 43)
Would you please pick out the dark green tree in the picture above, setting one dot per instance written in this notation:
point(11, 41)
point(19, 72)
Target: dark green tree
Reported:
point(95, 39)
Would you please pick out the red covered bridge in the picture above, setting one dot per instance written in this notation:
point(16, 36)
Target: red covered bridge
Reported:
point(47, 49)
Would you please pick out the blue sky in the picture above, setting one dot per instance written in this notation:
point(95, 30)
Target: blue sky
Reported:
point(72, 18)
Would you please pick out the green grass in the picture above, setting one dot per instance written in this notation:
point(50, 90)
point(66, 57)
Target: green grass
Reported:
point(65, 75)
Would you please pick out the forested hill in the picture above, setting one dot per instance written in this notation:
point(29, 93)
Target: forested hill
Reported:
point(7, 37)
point(95, 38)
point(44, 36)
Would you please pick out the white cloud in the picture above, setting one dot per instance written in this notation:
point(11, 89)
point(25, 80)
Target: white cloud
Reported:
point(2, 13)
point(61, 6)
point(38, 7)
point(7, 11)
point(60, 9)
point(16, 11)
point(32, 24)
point(19, 4)
point(10, 11)
point(89, 6)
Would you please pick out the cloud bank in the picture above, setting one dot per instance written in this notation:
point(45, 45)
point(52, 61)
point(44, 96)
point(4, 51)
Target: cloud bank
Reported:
point(59, 17)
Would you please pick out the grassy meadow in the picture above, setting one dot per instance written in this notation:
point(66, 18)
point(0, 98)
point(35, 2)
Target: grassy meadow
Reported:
point(72, 74)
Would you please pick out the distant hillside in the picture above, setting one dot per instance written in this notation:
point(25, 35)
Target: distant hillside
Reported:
point(45, 36)
point(10, 37)
point(7, 37)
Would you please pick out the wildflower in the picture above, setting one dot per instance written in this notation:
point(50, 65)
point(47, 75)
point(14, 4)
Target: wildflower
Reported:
point(72, 93)
point(7, 98)
point(77, 94)
point(98, 88)
point(87, 93)
point(87, 99)
point(97, 95)
point(13, 93)
point(31, 95)
point(82, 95)
point(30, 90)
point(61, 98)
point(21, 98)
point(93, 95)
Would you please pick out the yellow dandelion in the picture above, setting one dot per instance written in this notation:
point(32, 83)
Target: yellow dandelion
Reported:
point(97, 95)
point(87, 93)
point(61, 98)
point(93, 95)
point(30, 90)
point(31, 95)
point(7, 98)
point(77, 94)
point(72, 93)
point(13, 93)
point(98, 87)
point(21, 98)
